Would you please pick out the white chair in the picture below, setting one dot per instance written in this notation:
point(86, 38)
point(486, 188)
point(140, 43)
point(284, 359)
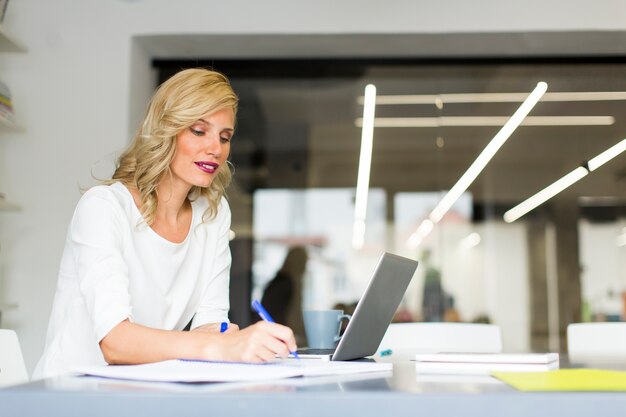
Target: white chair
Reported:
point(407, 339)
point(597, 342)
point(12, 367)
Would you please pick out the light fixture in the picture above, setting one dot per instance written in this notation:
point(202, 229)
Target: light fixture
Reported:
point(470, 241)
point(365, 163)
point(477, 166)
point(564, 182)
point(423, 230)
point(476, 121)
point(602, 201)
point(545, 194)
point(461, 98)
point(607, 155)
point(485, 156)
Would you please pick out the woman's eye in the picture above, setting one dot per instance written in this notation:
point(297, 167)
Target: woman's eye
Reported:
point(224, 139)
point(196, 131)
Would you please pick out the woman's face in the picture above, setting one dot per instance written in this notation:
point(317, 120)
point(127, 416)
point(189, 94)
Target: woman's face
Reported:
point(202, 149)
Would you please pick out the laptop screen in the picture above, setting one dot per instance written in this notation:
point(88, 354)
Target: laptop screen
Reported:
point(376, 308)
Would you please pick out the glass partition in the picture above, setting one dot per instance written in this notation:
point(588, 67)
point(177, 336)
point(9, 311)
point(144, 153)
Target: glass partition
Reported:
point(296, 153)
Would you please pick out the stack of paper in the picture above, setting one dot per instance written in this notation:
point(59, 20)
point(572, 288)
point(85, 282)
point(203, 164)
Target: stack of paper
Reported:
point(485, 363)
point(205, 371)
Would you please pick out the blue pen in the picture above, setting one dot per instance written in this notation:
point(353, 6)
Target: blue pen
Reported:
point(262, 312)
point(223, 327)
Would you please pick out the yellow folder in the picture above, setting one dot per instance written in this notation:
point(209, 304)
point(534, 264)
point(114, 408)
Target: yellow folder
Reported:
point(565, 380)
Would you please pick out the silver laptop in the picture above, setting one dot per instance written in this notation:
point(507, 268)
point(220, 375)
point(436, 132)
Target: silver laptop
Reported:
point(373, 312)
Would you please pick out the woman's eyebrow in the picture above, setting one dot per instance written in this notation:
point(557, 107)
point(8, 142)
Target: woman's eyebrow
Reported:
point(229, 129)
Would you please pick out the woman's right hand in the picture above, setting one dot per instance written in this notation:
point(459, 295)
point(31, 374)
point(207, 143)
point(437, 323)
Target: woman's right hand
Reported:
point(260, 342)
point(131, 343)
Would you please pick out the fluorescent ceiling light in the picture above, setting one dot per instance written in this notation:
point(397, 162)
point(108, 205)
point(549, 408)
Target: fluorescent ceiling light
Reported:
point(495, 97)
point(423, 230)
point(561, 184)
point(447, 121)
point(470, 241)
point(607, 155)
point(545, 194)
point(485, 156)
point(605, 200)
point(365, 163)
point(477, 166)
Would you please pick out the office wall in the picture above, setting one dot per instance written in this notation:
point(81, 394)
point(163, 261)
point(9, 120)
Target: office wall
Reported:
point(83, 81)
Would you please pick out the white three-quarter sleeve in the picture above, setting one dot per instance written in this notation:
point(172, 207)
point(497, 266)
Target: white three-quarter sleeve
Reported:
point(214, 303)
point(96, 236)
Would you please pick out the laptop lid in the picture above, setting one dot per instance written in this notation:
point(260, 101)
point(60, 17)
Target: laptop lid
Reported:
point(376, 307)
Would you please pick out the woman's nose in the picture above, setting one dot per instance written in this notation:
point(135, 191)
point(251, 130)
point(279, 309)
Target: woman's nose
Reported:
point(214, 146)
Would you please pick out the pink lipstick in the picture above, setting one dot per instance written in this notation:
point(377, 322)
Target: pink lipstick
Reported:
point(208, 167)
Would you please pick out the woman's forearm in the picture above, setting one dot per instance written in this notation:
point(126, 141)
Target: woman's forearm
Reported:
point(130, 343)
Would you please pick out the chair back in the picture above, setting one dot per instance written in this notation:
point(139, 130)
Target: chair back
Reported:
point(596, 342)
point(12, 367)
point(412, 338)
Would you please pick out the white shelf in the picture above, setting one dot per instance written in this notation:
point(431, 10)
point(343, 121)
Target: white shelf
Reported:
point(8, 44)
point(8, 121)
point(8, 206)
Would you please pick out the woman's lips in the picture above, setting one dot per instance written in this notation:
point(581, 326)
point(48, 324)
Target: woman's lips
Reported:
point(208, 167)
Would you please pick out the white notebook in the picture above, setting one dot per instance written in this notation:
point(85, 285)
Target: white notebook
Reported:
point(485, 363)
point(204, 371)
point(488, 357)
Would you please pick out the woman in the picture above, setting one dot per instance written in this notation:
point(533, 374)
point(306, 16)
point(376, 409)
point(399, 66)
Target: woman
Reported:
point(147, 252)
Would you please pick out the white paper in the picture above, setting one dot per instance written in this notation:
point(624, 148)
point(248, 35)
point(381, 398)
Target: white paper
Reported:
point(204, 371)
point(467, 368)
point(484, 363)
point(508, 358)
point(322, 367)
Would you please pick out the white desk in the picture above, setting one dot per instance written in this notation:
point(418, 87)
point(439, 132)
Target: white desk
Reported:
point(401, 394)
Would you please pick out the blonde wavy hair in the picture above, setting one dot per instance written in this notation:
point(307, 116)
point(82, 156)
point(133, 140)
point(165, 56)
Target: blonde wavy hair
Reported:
point(176, 105)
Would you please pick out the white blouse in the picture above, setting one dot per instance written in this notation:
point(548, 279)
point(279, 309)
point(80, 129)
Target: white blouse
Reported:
point(114, 267)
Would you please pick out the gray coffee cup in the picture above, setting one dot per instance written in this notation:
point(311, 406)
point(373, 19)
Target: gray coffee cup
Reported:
point(322, 327)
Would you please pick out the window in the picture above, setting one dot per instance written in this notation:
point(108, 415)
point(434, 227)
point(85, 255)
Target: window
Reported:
point(296, 151)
